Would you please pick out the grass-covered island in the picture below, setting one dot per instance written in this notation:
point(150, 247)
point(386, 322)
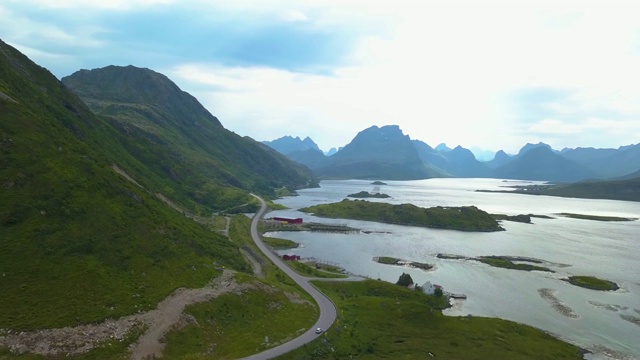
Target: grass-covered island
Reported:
point(595, 217)
point(515, 218)
point(366, 194)
point(377, 182)
point(395, 261)
point(592, 283)
point(505, 262)
point(463, 218)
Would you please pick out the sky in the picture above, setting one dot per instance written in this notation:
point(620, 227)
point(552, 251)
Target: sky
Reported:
point(484, 74)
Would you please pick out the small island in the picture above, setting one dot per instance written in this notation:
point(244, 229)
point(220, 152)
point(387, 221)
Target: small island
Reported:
point(595, 217)
point(593, 283)
point(395, 261)
point(365, 194)
point(505, 262)
point(515, 218)
point(377, 182)
point(462, 218)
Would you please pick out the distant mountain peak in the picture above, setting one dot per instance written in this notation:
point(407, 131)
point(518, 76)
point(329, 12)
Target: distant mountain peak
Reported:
point(442, 147)
point(530, 146)
point(289, 144)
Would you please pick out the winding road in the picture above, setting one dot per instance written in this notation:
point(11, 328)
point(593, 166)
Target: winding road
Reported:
point(327, 308)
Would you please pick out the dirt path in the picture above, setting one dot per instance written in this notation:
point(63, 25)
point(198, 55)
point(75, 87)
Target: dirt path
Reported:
point(256, 265)
point(80, 339)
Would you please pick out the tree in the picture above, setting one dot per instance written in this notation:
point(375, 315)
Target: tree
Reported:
point(404, 280)
point(438, 292)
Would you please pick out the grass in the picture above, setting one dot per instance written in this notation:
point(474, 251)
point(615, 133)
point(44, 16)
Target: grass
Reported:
point(593, 283)
point(595, 217)
point(378, 320)
point(464, 218)
point(503, 262)
point(278, 243)
point(235, 325)
point(308, 269)
point(366, 194)
point(387, 260)
point(515, 218)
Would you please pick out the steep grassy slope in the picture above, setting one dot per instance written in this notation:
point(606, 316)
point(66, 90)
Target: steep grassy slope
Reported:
point(78, 242)
point(191, 155)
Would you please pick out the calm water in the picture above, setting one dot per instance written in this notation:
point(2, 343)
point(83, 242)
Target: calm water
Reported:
point(609, 250)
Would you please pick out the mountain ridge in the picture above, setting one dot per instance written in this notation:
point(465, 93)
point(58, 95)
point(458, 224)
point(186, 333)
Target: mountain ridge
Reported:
point(205, 166)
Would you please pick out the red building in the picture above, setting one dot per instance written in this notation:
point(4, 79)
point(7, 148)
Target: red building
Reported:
point(291, 257)
point(288, 220)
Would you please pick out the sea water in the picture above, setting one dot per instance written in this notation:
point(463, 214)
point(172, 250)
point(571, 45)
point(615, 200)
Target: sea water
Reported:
point(600, 321)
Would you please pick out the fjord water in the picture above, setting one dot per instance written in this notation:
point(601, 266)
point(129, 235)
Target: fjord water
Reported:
point(602, 322)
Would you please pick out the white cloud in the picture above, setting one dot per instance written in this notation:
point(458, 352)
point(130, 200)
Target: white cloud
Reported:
point(555, 127)
point(294, 16)
point(102, 4)
point(443, 70)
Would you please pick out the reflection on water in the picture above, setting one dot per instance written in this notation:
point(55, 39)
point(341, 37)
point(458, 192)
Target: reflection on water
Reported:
point(608, 250)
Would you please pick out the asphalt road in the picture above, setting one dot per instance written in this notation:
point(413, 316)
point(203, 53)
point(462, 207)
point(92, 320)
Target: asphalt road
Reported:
point(327, 308)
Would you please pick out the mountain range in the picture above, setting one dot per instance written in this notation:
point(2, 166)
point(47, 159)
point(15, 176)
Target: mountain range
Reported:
point(387, 153)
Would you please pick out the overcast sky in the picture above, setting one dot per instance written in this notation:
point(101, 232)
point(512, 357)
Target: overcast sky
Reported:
point(495, 75)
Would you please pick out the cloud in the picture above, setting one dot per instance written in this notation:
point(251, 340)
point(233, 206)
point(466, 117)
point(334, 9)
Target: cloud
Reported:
point(89, 5)
point(493, 75)
point(294, 16)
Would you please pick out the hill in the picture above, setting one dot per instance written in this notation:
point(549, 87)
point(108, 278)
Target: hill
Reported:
point(78, 241)
point(607, 163)
point(377, 153)
point(498, 160)
point(311, 158)
point(462, 163)
point(288, 144)
point(180, 149)
point(542, 163)
point(628, 190)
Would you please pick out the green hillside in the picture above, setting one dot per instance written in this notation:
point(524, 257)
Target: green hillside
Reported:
point(79, 242)
point(187, 154)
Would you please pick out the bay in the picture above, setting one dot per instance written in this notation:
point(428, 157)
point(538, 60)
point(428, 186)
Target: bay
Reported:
point(599, 321)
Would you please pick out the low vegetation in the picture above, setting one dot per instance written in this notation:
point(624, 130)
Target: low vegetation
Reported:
point(626, 190)
point(366, 194)
point(595, 217)
point(311, 270)
point(237, 325)
point(395, 261)
point(279, 244)
point(464, 218)
point(379, 320)
point(266, 226)
point(506, 262)
point(593, 283)
point(515, 218)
